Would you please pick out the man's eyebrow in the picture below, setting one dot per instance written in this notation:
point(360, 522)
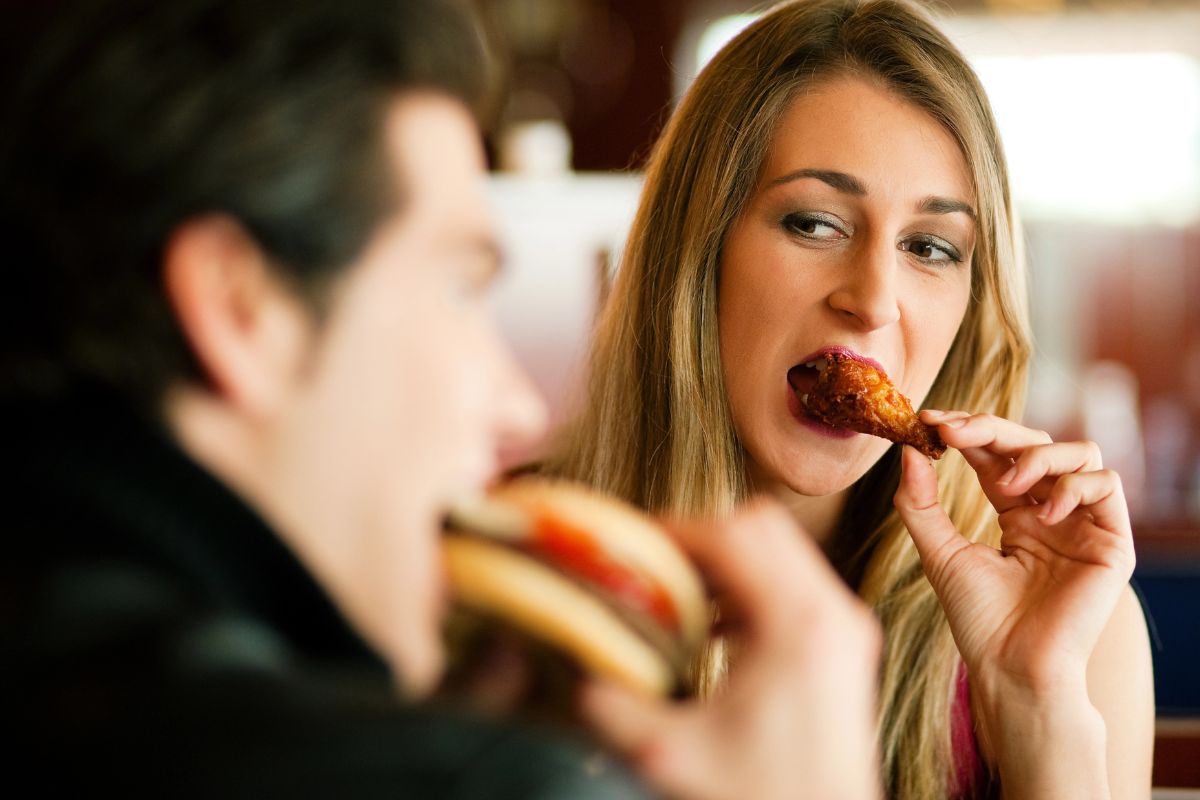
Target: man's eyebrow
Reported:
point(838, 180)
point(945, 205)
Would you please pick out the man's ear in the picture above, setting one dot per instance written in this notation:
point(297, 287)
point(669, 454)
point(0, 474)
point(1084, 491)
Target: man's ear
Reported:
point(248, 331)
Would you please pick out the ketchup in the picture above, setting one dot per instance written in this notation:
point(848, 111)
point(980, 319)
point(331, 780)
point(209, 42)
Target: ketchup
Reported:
point(573, 551)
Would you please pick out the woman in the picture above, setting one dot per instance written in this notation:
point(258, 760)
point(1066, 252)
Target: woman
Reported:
point(834, 179)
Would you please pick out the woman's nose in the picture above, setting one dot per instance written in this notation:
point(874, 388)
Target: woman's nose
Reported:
point(866, 294)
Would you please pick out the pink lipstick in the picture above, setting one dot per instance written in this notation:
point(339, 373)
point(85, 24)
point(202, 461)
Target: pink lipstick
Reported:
point(802, 377)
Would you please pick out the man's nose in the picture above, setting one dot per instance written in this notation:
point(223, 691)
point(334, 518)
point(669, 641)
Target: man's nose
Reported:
point(521, 413)
point(867, 292)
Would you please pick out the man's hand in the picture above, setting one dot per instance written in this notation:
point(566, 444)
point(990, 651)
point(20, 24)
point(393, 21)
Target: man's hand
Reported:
point(797, 716)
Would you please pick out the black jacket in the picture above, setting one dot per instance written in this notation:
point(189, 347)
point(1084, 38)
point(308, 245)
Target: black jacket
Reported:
point(158, 638)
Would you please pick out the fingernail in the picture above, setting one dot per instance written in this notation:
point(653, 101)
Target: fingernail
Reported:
point(1044, 514)
point(1007, 477)
point(955, 423)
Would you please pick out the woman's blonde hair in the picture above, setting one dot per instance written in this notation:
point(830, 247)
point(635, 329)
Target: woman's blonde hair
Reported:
point(656, 427)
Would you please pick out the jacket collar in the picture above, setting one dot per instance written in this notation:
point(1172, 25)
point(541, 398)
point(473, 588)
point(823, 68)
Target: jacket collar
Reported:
point(97, 478)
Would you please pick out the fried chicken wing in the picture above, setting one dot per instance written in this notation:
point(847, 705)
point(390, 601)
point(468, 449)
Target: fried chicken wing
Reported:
point(853, 394)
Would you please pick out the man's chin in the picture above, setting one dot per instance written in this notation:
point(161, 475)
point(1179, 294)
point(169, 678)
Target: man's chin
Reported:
point(418, 667)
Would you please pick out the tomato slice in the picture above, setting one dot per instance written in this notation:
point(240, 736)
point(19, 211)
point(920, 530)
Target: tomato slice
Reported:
point(572, 550)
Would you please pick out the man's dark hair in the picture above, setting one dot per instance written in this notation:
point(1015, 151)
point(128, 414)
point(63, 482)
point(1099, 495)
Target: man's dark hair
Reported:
point(121, 119)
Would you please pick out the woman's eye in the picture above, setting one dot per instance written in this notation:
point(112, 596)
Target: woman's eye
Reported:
point(932, 250)
point(812, 226)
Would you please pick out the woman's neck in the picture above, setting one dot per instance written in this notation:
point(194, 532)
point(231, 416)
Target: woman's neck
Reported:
point(817, 515)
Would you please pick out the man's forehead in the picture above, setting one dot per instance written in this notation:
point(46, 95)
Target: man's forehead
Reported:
point(434, 161)
point(432, 140)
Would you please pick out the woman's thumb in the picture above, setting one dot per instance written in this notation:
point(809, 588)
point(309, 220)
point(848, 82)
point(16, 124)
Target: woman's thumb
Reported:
point(931, 530)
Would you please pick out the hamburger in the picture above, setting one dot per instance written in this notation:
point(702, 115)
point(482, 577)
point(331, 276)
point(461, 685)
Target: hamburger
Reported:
point(583, 577)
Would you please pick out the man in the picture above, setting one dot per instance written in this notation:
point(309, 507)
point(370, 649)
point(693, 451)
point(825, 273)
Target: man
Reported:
point(248, 362)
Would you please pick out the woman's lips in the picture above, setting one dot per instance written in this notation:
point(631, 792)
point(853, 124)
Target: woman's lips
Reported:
point(844, 351)
point(802, 378)
point(796, 408)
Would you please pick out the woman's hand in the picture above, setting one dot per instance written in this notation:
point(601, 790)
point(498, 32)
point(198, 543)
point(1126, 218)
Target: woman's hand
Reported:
point(797, 716)
point(1026, 617)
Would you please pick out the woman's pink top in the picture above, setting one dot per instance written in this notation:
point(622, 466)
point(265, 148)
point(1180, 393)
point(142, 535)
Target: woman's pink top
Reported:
point(969, 780)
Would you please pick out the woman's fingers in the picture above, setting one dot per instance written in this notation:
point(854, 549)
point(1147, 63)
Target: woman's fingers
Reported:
point(1037, 463)
point(995, 434)
point(1099, 493)
point(989, 444)
point(1016, 465)
point(1076, 539)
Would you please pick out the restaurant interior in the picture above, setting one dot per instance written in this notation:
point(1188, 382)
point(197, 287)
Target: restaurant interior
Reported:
point(1098, 102)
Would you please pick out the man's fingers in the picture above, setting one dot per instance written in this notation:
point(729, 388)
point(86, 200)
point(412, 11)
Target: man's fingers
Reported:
point(630, 723)
point(932, 532)
point(728, 554)
point(760, 560)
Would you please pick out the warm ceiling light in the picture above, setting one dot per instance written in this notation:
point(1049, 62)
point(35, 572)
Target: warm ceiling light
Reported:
point(1026, 6)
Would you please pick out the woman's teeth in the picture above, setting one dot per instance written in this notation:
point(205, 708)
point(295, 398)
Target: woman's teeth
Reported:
point(819, 365)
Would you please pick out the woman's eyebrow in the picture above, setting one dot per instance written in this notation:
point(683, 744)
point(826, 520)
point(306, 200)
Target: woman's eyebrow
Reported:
point(838, 180)
point(945, 205)
point(849, 184)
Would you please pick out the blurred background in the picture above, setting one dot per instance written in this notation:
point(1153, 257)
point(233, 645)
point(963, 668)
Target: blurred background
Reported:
point(1098, 102)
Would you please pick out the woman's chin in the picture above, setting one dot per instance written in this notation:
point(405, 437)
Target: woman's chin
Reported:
point(816, 476)
point(819, 486)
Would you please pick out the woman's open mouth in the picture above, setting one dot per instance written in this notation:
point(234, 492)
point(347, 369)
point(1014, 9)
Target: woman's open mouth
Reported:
point(801, 379)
